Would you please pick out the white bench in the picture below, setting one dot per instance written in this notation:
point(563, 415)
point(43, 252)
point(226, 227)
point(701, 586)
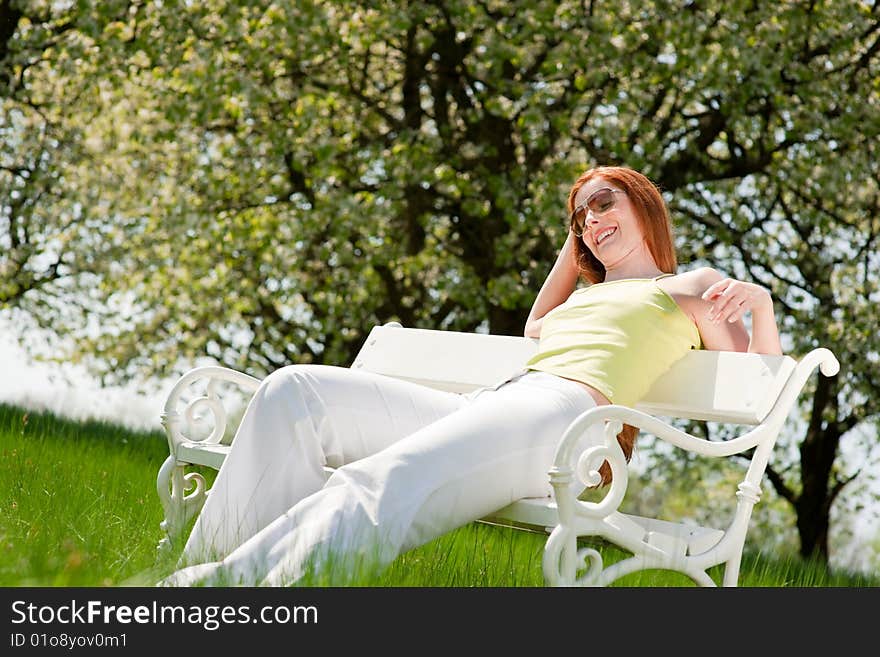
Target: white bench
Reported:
point(743, 389)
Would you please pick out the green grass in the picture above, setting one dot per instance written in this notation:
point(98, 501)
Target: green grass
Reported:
point(78, 507)
point(78, 503)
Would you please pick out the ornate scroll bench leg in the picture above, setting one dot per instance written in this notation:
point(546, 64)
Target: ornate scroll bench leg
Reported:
point(562, 560)
point(182, 495)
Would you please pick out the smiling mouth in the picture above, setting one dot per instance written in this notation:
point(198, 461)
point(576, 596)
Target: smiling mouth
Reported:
point(605, 234)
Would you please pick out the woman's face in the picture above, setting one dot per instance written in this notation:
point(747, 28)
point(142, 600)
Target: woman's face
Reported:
point(611, 229)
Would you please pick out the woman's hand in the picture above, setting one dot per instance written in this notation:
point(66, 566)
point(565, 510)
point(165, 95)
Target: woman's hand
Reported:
point(732, 299)
point(729, 300)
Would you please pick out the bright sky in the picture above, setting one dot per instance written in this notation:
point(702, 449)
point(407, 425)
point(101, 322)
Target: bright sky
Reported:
point(71, 391)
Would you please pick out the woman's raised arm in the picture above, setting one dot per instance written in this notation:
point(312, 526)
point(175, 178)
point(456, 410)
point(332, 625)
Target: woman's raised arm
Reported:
point(556, 288)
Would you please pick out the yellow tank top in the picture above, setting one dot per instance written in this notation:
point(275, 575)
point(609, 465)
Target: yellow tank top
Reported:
point(618, 337)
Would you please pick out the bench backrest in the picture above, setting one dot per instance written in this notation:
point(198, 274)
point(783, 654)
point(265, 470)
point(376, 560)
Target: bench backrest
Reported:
point(718, 386)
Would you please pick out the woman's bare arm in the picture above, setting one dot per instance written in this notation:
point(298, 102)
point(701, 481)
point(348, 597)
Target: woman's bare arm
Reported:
point(557, 287)
point(726, 301)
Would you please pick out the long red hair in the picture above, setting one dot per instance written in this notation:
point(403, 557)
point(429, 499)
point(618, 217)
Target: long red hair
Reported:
point(650, 210)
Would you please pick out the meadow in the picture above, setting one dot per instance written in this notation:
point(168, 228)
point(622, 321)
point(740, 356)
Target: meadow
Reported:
point(78, 507)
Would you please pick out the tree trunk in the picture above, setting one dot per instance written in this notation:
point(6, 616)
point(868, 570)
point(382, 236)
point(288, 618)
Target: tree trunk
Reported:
point(9, 17)
point(818, 452)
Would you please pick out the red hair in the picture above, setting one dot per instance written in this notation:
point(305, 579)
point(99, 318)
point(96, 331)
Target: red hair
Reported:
point(650, 210)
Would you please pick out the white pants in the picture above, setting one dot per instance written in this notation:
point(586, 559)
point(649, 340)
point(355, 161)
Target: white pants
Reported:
point(412, 463)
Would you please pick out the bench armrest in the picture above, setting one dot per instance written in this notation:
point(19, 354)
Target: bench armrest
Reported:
point(210, 401)
point(613, 416)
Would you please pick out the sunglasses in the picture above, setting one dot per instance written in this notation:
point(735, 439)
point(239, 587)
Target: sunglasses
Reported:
point(599, 202)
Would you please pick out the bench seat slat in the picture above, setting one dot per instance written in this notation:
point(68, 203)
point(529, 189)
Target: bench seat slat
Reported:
point(540, 513)
point(211, 455)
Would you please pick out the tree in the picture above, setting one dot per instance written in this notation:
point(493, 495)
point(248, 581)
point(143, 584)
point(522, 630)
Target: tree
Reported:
point(28, 261)
point(52, 203)
point(295, 173)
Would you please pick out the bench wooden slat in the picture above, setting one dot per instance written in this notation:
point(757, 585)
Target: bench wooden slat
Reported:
point(746, 385)
point(458, 362)
point(745, 389)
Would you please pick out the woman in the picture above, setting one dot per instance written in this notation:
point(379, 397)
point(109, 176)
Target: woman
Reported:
point(414, 463)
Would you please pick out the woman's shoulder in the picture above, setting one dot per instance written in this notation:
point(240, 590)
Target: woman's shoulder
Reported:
point(692, 283)
point(687, 288)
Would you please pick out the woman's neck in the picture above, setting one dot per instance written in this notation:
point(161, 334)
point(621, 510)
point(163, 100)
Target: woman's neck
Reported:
point(619, 275)
point(642, 270)
point(638, 265)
